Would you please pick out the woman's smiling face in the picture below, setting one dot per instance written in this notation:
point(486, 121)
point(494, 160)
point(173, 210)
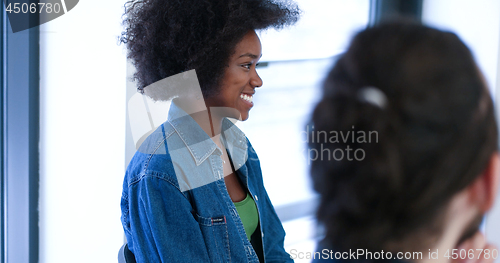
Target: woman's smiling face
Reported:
point(240, 78)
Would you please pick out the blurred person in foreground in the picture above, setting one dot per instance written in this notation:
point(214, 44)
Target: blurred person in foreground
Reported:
point(424, 159)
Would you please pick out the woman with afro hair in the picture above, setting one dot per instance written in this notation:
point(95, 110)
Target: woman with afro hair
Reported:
point(193, 192)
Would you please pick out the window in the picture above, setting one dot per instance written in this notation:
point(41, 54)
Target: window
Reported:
point(295, 61)
point(480, 31)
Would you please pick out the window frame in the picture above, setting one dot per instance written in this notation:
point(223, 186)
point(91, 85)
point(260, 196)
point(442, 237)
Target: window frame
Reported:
point(19, 121)
point(381, 10)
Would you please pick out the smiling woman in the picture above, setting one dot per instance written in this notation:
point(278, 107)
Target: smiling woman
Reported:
point(240, 77)
point(193, 192)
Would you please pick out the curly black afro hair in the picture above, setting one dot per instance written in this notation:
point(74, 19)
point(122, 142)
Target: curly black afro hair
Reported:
point(167, 37)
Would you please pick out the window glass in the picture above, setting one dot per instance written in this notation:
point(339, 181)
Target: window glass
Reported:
point(298, 58)
point(479, 30)
point(477, 23)
point(324, 29)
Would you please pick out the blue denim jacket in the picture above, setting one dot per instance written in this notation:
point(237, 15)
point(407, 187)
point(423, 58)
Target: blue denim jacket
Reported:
point(175, 205)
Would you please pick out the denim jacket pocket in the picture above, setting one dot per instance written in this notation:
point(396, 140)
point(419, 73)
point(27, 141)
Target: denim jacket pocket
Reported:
point(214, 230)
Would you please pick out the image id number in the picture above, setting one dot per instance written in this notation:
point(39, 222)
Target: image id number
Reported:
point(33, 8)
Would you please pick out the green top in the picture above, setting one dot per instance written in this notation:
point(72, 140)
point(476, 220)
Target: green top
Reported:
point(248, 214)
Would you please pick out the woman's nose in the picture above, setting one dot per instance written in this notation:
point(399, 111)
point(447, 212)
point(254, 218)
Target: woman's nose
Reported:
point(256, 81)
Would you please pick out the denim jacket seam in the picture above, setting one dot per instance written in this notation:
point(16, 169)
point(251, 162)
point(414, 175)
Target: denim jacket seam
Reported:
point(160, 143)
point(159, 175)
point(169, 131)
point(148, 159)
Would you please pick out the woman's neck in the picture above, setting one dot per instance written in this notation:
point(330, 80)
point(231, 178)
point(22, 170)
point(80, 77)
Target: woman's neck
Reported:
point(208, 119)
point(210, 123)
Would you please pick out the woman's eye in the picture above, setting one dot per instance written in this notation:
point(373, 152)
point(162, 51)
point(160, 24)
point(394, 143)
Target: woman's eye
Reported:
point(247, 66)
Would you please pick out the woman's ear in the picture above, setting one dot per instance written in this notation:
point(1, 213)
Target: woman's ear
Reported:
point(484, 189)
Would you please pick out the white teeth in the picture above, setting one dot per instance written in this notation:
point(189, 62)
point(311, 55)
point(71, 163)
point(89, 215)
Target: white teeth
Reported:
point(246, 97)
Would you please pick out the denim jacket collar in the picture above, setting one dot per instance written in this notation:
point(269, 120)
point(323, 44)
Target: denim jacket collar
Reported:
point(200, 145)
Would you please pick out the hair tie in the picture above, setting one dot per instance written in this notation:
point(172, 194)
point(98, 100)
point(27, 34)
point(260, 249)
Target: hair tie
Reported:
point(373, 96)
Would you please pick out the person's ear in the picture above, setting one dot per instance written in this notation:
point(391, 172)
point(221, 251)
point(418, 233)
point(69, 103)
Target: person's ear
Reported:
point(485, 187)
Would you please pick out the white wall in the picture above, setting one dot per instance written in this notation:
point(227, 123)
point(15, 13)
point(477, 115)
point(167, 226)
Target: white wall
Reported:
point(477, 23)
point(82, 134)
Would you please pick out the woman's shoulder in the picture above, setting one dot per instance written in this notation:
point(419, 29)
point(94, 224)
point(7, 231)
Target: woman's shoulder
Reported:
point(152, 157)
